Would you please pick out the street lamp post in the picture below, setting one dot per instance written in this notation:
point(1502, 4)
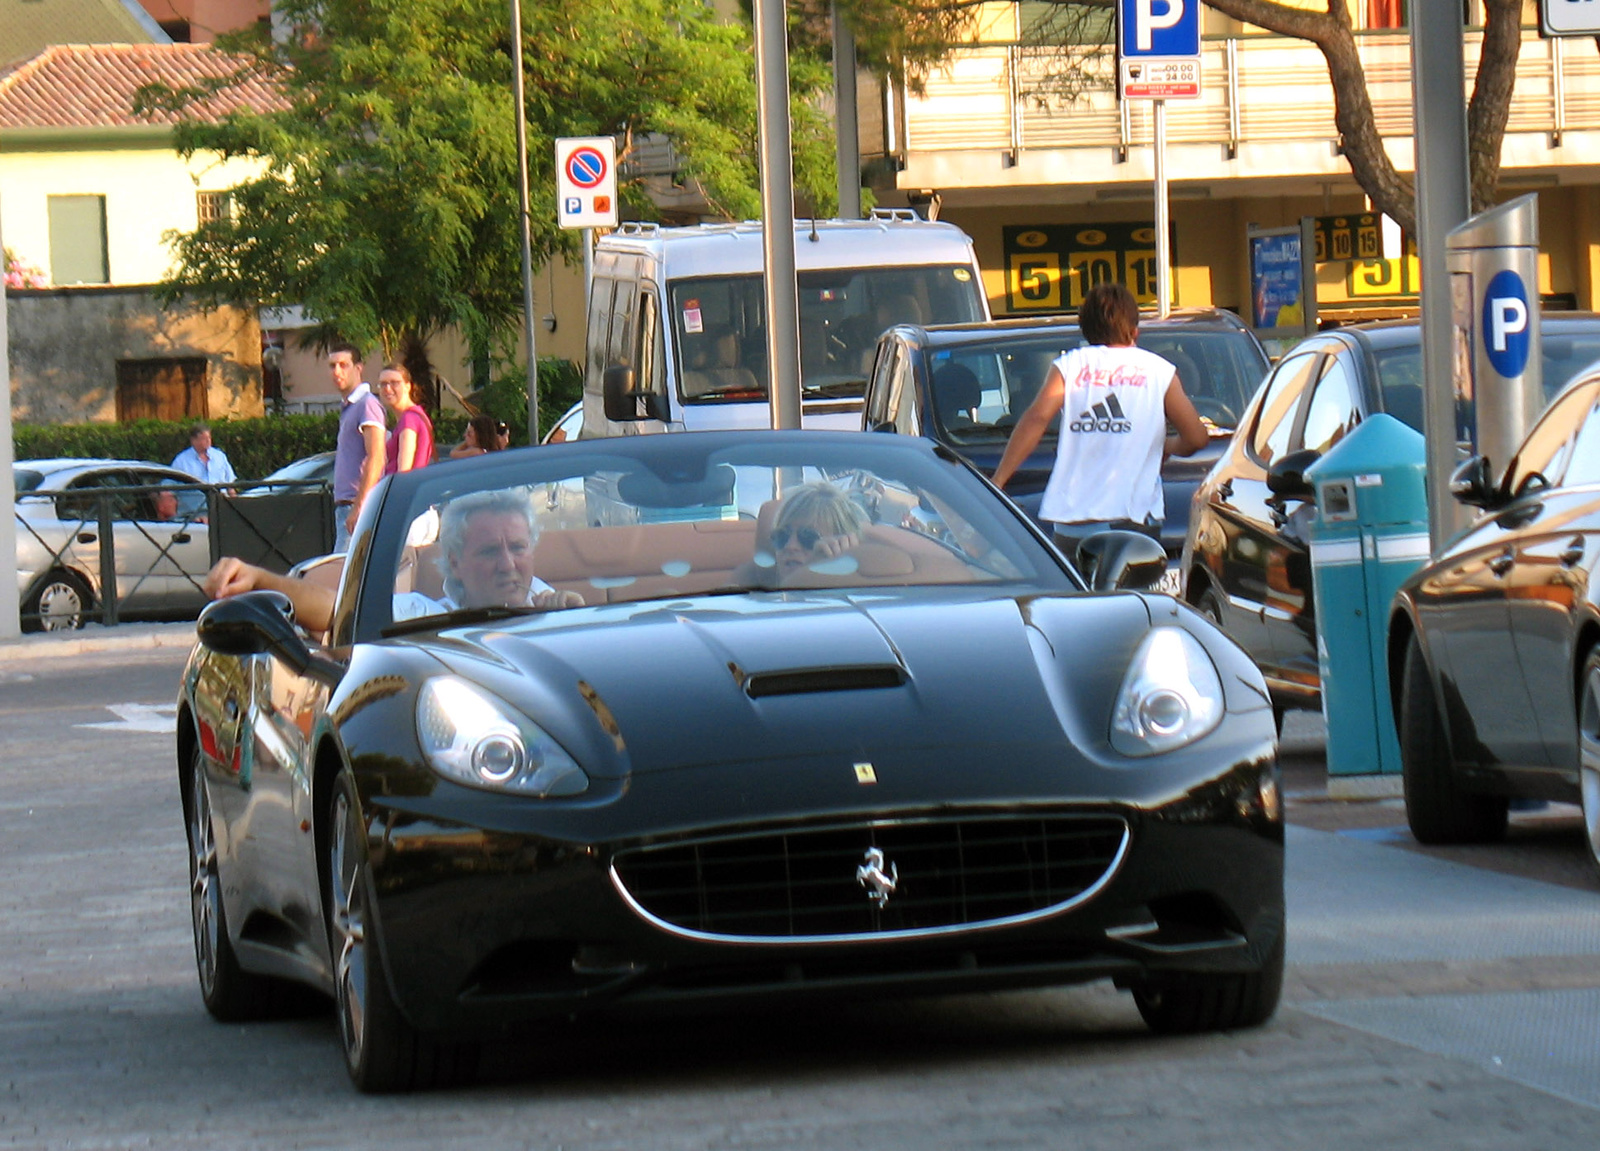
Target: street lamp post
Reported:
point(525, 220)
point(777, 214)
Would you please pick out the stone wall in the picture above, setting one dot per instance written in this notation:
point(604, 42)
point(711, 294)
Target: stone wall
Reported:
point(65, 345)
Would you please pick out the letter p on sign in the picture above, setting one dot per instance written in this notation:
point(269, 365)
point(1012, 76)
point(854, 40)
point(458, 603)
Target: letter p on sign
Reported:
point(1508, 316)
point(1146, 20)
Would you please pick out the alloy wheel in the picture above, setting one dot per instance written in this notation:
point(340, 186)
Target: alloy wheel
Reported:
point(348, 928)
point(205, 892)
point(1589, 756)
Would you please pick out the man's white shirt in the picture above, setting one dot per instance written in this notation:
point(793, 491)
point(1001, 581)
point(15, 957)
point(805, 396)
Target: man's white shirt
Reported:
point(415, 605)
point(214, 469)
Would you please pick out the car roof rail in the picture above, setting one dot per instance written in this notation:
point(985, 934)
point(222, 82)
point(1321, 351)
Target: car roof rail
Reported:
point(896, 215)
point(638, 228)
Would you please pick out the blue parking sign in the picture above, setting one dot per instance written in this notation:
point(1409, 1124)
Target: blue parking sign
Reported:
point(1158, 27)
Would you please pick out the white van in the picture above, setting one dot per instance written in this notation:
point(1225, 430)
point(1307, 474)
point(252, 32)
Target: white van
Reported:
point(677, 340)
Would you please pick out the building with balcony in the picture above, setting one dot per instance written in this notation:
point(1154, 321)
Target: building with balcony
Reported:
point(1031, 178)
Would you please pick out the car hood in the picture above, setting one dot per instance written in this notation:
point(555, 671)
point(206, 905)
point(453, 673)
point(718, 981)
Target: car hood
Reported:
point(806, 674)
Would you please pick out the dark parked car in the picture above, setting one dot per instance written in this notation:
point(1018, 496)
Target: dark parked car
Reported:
point(1246, 561)
point(1494, 650)
point(965, 385)
point(761, 761)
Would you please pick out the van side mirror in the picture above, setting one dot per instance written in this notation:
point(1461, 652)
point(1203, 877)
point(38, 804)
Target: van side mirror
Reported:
point(1473, 484)
point(622, 402)
point(1286, 478)
point(1112, 560)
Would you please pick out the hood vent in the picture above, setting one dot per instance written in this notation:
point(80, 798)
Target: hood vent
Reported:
point(823, 679)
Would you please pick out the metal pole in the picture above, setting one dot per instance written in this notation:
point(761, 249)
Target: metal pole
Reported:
point(846, 127)
point(10, 620)
point(588, 269)
point(777, 213)
point(1163, 227)
point(1438, 79)
point(526, 221)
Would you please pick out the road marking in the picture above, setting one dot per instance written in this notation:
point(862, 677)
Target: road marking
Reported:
point(153, 718)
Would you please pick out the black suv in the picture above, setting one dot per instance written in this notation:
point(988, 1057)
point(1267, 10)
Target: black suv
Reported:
point(1246, 561)
point(965, 385)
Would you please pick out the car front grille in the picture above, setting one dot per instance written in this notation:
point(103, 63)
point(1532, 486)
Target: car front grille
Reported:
point(806, 884)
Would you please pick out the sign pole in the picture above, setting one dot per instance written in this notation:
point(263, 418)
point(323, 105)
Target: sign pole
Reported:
point(526, 222)
point(777, 214)
point(588, 269)
point(1163, 225)
point(10, 620)
point(1438, 77)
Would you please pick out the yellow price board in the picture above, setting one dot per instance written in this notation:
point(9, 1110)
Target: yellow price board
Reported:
point(1381, 278)
point(1035, 279)
point(1040, 257)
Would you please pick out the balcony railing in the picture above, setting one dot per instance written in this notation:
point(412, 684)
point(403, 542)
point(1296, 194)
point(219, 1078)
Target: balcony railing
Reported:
point(1256, 89)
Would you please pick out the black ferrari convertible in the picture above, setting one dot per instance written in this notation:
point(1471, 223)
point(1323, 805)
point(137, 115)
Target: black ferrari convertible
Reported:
point(697, 720)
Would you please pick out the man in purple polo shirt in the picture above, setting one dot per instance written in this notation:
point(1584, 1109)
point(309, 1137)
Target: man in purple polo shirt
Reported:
point(358, 457)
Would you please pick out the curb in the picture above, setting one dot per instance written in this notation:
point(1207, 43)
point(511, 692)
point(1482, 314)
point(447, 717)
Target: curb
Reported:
point(95, 638)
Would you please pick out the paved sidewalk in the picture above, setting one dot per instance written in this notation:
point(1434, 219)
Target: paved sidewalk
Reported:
point(97, 638)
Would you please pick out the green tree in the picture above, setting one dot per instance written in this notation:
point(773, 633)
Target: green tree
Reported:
point(386, 206)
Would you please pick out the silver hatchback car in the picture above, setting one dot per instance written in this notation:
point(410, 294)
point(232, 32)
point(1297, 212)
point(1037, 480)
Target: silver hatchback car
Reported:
point(160, 538)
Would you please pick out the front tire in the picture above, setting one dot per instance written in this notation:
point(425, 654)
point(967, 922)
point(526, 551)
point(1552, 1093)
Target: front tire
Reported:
point(1190, 1003)
point(1589, 755)
point(383, 1052)
point(1438, 809)
point(60, 601)
point(230, 993)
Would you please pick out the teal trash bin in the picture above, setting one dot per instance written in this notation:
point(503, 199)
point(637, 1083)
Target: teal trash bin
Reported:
point(1370, 532)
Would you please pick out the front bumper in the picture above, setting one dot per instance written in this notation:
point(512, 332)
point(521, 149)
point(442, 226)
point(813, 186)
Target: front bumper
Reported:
point(485, 930)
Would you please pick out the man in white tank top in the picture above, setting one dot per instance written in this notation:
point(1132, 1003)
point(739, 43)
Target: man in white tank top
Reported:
point(1115, 400)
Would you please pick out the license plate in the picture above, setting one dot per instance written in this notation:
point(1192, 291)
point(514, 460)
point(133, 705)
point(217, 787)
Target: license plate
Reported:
point(1168, 583)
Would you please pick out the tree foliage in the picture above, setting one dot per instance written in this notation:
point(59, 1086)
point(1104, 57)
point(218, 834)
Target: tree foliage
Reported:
point(386, 205)
point(1333, 33)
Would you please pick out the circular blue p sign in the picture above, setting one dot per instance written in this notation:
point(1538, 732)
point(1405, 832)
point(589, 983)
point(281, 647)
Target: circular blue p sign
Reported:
point(1506, 319)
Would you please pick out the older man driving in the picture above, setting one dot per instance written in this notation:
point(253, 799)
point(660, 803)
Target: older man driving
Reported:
point(487, 539)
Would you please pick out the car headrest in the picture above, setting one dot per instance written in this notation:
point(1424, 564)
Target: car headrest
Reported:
point(956, 390)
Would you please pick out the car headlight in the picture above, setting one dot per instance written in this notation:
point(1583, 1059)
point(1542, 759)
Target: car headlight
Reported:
point(471, 737)
point(1170, 697)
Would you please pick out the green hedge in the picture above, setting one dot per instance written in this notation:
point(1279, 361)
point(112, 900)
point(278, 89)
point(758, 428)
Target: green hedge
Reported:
point(256, 447)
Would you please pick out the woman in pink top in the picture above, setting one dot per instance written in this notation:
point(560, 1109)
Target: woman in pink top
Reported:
point(410, 444)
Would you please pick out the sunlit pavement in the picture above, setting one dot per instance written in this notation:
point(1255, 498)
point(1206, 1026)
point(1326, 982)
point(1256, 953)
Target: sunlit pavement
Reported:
point(1432, 1001)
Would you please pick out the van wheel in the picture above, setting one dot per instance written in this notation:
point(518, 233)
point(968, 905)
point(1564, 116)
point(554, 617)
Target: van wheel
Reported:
point(1438, 809)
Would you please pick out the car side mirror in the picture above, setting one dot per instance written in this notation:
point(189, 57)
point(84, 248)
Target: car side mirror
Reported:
point(1113, 560)
point(263, 621)
point(1286, 478)
point(1473, 484)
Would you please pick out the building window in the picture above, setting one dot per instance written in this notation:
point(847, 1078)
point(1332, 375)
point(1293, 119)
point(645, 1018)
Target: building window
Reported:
point(213, 206)
point(78, 240)
point(164, 389)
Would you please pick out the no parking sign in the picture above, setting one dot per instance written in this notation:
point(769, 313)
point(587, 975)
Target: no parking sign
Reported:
point(586, 182)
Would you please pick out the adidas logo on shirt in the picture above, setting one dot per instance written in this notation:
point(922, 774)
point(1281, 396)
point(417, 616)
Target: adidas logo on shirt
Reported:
point(1106, 417)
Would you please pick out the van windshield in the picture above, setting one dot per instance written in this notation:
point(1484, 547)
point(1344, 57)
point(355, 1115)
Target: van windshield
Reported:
point(721, 338)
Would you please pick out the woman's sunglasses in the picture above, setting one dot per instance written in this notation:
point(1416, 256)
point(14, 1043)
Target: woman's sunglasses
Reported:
point(806, 537)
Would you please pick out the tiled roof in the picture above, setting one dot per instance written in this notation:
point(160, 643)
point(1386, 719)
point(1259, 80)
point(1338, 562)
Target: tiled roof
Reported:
point(93, 85)
point(30, 26)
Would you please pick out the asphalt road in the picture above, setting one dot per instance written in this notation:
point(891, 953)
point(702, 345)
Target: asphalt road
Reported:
point(1433, 1001)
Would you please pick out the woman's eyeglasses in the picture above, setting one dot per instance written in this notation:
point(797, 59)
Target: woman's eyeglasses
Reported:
point(806, 537)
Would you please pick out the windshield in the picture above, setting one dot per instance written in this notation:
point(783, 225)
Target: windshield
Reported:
point(319, 466)
point(1400, 375)
point(721, 340)
point(591, 526)
point(1219, 369)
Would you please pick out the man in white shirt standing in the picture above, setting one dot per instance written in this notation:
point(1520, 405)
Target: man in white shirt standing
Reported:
point(201, 460)
point(1115, 400)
